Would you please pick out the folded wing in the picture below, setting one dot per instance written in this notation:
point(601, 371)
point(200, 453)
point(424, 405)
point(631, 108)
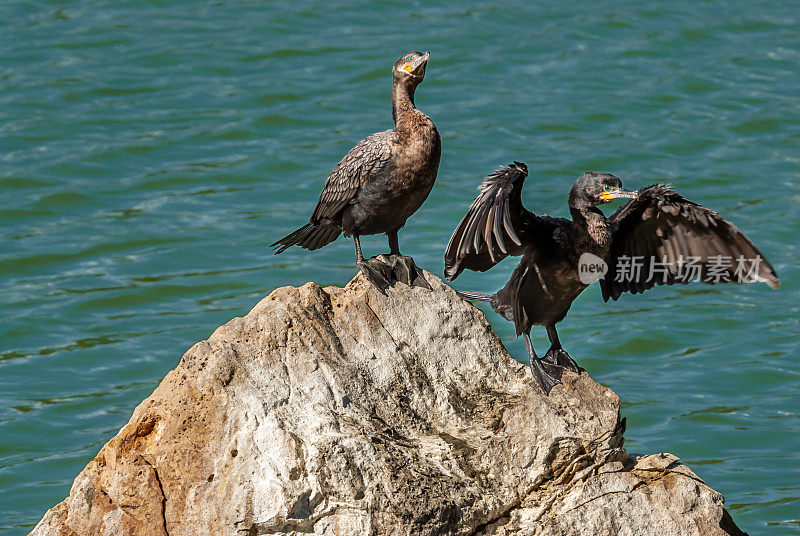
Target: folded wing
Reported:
point(663, 238)
point(358, 166)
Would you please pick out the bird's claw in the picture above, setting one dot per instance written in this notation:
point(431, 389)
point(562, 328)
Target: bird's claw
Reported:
point(384, 271)
point(560, 357)
point(547, 374)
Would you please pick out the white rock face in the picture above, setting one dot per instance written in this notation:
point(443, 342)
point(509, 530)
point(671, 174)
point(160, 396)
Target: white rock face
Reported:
point(344, 411)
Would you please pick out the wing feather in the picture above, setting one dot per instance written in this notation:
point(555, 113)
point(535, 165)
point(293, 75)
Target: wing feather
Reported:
point(369, 157)
point(508, 225)
point(660, 226)
point(477, 219)
point(498, 231)
point(496, 225)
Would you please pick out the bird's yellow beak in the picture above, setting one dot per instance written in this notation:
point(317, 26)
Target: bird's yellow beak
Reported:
point(617, 193)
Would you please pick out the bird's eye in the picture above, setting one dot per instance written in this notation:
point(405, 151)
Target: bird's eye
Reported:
point(409, 57)
point(606, 189)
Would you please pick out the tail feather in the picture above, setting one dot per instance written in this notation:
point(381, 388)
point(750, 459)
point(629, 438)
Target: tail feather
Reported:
point(468, 295)
point(309, 236)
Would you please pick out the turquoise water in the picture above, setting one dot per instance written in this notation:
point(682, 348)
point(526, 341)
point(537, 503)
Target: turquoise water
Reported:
point(150, 149)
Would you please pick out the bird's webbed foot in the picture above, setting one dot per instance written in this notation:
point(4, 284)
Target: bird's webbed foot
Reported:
point(560, 357)
point(547, 374)
point(384, 271)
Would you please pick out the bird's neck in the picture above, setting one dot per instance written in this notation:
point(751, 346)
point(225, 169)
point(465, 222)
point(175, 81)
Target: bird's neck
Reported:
point(402, 100)
point(593, 222)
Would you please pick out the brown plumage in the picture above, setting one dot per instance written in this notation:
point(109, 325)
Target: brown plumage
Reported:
point(382, 181)
point(660, 227)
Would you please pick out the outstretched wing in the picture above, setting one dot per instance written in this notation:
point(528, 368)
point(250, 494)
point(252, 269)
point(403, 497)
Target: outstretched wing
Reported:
point(367, 158)
point(496, 225)
point(663, 238)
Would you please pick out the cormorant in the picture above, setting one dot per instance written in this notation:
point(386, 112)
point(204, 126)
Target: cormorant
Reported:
point(658, 237)
point(379, 184)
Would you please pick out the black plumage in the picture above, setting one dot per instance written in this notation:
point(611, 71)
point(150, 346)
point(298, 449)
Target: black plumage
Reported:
point(661, 227)
point(661, 232)
point(380, 183)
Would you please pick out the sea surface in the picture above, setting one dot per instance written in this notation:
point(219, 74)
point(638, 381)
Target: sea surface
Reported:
point(149, 150)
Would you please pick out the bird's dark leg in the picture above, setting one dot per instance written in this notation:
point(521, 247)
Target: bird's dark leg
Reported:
point(556, 355)
point(359, 255)
point(405, 268)
point(384, 271)
point(547, 374)
point(394, 245)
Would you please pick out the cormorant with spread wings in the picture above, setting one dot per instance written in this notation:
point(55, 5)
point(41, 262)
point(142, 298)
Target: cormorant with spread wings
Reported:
point(658, 237)
point(379, 184)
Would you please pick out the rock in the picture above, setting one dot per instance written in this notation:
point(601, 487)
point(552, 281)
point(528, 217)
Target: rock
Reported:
point(346, 411)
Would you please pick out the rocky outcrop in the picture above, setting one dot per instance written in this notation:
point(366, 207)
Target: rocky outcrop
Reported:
point(347, 411)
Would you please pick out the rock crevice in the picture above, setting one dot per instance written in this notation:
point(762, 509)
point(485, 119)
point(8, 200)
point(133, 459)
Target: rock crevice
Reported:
point(349, 411)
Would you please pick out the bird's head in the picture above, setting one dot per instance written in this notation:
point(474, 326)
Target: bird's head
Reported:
point(410, 67)
point(593, 188)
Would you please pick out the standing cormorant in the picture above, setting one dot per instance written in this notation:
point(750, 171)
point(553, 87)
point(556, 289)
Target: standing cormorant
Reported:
point(379, 184)
point(658, 237)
